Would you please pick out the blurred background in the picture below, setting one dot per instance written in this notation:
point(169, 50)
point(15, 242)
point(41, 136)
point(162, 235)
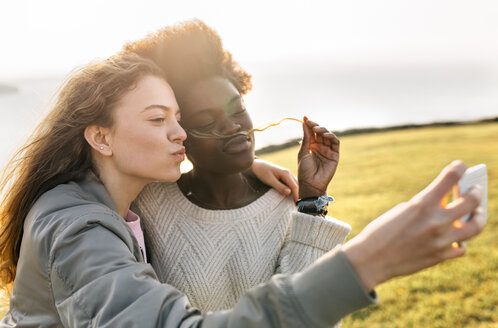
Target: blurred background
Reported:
point(344, 64)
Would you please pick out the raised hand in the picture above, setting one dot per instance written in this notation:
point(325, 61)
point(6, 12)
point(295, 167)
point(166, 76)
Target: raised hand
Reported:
point(317, 159)
point(417, 234)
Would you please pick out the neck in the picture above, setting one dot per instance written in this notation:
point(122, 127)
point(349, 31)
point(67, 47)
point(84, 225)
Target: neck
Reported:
point(219, 191)
point(122, 189)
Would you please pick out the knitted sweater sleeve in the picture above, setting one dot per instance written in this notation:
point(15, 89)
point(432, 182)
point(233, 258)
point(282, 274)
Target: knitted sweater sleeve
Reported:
point(308, 239)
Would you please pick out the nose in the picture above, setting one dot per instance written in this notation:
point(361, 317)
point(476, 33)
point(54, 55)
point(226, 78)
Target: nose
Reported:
point(229, 126)
point(177, 134)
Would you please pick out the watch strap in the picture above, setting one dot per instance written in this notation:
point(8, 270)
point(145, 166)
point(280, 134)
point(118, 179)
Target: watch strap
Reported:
point(314, 205)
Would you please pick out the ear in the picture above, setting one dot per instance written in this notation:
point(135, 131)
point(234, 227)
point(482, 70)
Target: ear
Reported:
point(98, 138)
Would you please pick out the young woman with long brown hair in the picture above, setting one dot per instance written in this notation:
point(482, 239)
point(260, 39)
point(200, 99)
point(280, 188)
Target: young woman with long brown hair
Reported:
point(75, 252)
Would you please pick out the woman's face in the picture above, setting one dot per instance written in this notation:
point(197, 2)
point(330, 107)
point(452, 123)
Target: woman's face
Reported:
point(215, 105)
point(146, 139)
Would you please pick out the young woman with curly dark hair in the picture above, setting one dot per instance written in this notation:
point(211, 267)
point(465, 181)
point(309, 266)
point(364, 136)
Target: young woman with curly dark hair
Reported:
point(218, 232)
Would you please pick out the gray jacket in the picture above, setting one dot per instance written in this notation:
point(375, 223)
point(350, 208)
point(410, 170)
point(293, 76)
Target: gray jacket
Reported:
point(80, 266)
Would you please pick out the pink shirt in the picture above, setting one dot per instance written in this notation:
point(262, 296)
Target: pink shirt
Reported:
point(133, 221)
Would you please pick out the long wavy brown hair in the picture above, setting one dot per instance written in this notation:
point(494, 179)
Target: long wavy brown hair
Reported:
point(57, 151)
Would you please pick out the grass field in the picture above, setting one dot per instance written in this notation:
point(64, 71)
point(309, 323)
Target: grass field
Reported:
point(379, 170)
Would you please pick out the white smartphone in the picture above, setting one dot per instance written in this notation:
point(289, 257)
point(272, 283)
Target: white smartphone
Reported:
point(475, 175)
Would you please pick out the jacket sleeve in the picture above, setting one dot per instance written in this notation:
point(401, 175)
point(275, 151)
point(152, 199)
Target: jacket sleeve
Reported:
point(310, 237)
point(97, 281)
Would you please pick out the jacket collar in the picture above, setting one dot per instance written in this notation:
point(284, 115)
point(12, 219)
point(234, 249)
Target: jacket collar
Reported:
point(92, 185)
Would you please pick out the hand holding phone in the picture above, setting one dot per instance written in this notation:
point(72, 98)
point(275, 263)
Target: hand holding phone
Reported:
point(475, 175)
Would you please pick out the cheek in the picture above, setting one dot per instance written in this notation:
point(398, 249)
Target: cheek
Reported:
point(138, 149)
point(136, 142)
point(200, 146)
point(201, 151)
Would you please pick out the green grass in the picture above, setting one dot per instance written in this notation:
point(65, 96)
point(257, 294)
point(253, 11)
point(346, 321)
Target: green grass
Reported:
point(379, 170)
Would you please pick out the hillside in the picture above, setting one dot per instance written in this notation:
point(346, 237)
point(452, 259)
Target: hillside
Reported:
point(379, 170)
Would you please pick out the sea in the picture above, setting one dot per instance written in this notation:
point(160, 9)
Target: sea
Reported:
point(337, 96)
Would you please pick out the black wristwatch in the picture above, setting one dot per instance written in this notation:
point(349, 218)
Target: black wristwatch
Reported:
point(314, 205)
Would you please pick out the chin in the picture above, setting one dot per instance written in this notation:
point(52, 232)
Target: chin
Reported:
point(238, 164)
point(171, 176)
point(176, 176)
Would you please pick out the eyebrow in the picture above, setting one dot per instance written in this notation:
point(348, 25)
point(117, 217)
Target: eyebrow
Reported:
point(165, 108)
point(235, 98)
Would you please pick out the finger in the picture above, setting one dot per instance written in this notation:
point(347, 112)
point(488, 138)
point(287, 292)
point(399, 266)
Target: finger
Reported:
point(453, 250)
point(326, 141)
point(324, 152)
point(319, 131)
point(331, 137)
point(465, 230)
point(291, 182)
point(312, 125)
point(281, 187)
point(444, 201)
point(331, 140)
point(464, 204)
point(440, 186)
point(307, 138)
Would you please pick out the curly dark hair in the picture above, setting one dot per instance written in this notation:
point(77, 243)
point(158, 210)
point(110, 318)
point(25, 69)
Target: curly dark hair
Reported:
point(188, 52)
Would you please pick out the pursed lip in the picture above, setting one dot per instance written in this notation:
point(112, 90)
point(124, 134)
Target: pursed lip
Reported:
point(235, 140)
point(180, 152)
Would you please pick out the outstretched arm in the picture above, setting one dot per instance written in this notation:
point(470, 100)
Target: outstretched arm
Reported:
point(417, 234)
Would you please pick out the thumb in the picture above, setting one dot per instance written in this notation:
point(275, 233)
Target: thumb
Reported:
point(440, 186)
point(306, 141)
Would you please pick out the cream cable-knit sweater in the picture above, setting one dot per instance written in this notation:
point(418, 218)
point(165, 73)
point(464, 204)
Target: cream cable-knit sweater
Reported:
point(214, 256)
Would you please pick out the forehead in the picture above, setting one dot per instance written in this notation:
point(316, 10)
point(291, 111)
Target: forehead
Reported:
point(149, 90)
point(211, 93)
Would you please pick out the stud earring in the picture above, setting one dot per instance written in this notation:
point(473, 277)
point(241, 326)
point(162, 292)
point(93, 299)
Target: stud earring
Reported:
point(101, 148)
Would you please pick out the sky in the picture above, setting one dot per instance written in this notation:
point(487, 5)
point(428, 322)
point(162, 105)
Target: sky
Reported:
point(40, 38)
point(347, 64)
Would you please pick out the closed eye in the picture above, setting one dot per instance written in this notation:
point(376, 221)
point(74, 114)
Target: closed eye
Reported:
point(239, 112)
point(206, 126)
